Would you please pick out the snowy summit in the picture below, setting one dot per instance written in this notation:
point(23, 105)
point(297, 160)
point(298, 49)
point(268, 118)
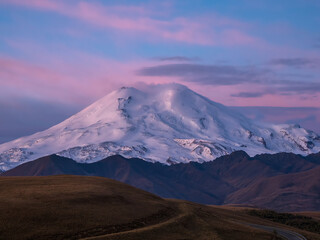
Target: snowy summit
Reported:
point(164, 123)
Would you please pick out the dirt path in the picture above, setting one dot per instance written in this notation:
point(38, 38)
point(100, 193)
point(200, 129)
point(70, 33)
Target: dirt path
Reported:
point(182, 214)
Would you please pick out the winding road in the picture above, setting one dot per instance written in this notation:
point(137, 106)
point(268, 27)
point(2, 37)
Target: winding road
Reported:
point(282, 232)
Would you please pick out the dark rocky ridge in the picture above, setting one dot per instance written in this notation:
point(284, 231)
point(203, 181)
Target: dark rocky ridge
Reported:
point(283, 181)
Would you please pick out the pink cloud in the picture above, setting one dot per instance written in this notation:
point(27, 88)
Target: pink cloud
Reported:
point(61, 80)
point(80, 78)
point(21, 77)
point(271, 99)
point(138, 20)
point(84, 81)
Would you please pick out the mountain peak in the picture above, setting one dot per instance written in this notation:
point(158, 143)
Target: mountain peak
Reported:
point(167, 123)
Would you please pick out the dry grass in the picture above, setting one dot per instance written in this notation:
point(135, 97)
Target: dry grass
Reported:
point(60, 206)
point(73, 207)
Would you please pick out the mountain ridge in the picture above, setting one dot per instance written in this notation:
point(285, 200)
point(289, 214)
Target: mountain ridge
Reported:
point(232, 179)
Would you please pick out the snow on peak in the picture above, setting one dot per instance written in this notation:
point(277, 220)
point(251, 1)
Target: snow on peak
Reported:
point(167, 123)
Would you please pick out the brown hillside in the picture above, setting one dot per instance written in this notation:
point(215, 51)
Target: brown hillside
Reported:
point(78, 207)
point(290, 191)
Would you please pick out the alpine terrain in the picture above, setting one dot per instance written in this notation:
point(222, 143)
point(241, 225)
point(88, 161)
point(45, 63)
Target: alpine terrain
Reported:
point(163, 123)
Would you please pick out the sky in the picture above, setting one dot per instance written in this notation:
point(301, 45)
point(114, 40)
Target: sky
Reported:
point(57, 57)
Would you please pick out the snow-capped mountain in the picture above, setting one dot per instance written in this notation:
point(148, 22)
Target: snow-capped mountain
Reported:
point(165, 123)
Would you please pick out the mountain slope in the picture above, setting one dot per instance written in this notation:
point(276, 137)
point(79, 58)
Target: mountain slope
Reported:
point(232, 179)
point(292, 191)
point(48, 165)
point(164, 123)
point(167, 181)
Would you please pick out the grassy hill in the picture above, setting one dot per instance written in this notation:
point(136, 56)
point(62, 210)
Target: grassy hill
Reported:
point(81, 207)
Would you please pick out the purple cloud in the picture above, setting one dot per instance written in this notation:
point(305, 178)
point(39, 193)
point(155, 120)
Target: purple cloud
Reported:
point(176, 59)
point(249, 94)
point(227, 75)
point(296, 62)
point(206, 74)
